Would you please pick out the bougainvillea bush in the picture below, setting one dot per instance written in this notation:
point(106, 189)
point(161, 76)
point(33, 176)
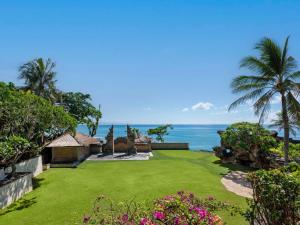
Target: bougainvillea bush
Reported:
point(179, 209)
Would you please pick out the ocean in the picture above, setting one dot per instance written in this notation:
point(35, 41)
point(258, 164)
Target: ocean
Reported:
point(199, 137)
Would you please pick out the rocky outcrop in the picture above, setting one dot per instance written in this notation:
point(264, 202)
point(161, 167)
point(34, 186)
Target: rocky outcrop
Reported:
point(244, 151)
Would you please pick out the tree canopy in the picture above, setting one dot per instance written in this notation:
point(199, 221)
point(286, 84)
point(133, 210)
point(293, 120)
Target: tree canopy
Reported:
point(160, 132)
point(80, 107)
point(32, 117)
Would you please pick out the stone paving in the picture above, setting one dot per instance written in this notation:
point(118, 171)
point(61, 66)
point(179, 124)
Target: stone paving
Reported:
point(120, 156)
point(237, 183)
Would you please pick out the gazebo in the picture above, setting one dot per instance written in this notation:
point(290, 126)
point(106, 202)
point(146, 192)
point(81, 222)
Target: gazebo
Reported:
point(69, 149)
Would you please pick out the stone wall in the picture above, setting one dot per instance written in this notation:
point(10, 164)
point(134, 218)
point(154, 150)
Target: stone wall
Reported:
point(169, 146)
point(143, 147)
point(33, 165)
point(64, 154)
point(13, 191)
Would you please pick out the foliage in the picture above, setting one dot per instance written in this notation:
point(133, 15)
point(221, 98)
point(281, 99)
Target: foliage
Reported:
point(294, 125)
point(276, 197)
point(274, 75)
point(80, 107)
point(248, 136)
point(32, 117)
point(160, 132)
point(92, 121)
point(294, 150)
point(39, 76)
point(77, 104)
point(12, 149)
point(180, 209)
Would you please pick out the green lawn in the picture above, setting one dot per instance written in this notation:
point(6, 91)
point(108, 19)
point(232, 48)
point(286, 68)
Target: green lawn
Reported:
point(62, 196)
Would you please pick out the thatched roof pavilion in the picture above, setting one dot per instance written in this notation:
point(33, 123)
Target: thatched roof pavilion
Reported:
point(69, 149)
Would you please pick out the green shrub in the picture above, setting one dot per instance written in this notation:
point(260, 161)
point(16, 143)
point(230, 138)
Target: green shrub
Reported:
point(275, 197)
point(294, 150)
point(248, 136)
point(12, 149)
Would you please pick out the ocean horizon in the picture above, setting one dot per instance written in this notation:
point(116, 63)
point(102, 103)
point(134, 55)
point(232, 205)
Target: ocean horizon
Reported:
point(199, 136)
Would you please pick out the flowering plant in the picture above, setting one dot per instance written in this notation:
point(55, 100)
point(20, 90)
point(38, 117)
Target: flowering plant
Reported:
point(179, 209)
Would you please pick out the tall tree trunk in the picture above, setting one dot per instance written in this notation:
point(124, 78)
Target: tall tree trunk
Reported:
point(286, 137)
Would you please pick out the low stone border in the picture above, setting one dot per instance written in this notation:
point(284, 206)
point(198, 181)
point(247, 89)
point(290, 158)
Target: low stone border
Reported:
point(236, 182)
point(15, 189)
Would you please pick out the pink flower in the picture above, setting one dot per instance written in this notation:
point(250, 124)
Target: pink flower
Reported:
point(176, 222)
point(203, 213)
point(124, 218)
point(159, 215)
point(146, 221)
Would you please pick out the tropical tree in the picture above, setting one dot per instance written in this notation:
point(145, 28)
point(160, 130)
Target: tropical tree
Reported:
point(32, 117)
point(278, 124)
point(275, 74)
point(160, 132)
point(92, 121)
point(80, 107)
point(39, 77)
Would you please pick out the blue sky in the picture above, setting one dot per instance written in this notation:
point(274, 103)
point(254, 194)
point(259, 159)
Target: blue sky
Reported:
point(147, 61)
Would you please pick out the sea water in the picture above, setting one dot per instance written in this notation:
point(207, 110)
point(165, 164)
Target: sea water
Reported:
point(199, 137)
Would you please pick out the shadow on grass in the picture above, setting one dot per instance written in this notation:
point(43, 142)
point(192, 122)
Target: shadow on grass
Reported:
point(18, 205)
point(23, 203)
point(233, 167)
point(37, 182)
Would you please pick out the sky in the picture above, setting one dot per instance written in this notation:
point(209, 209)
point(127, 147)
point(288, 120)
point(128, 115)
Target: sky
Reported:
point(147, 62)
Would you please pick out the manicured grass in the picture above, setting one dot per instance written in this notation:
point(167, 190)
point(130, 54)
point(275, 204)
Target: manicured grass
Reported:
point(62, 196)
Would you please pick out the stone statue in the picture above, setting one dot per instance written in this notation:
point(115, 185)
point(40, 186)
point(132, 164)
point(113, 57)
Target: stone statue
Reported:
point(131, 141)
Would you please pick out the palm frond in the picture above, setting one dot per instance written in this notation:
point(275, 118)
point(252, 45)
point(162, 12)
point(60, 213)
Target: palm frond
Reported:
point(249, 96)
point(257, 65)
point(262, 105)
point(270, 54)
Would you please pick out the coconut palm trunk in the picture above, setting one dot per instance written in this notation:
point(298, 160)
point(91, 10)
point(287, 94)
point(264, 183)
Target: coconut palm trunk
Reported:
point(286, 128)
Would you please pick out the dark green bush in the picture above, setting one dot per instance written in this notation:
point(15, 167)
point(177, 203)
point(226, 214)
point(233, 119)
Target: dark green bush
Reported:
point(294, 150)
point(275, 197)
point(248, 136)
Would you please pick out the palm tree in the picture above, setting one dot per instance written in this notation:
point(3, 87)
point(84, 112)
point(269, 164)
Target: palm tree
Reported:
point(278, 124)
point(39, 77)
point(274, 75)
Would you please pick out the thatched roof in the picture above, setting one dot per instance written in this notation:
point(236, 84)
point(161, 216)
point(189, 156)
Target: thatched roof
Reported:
point(67, 140)
point(86, 140)
point(64, 141)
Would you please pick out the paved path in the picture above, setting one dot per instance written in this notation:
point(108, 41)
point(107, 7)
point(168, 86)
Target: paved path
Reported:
point(120, 156)
point(236, 182)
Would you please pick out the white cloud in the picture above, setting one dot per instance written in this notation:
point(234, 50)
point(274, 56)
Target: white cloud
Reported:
point(202, 106)
point(185, 109)
point(276, 100)
point(147, 108)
